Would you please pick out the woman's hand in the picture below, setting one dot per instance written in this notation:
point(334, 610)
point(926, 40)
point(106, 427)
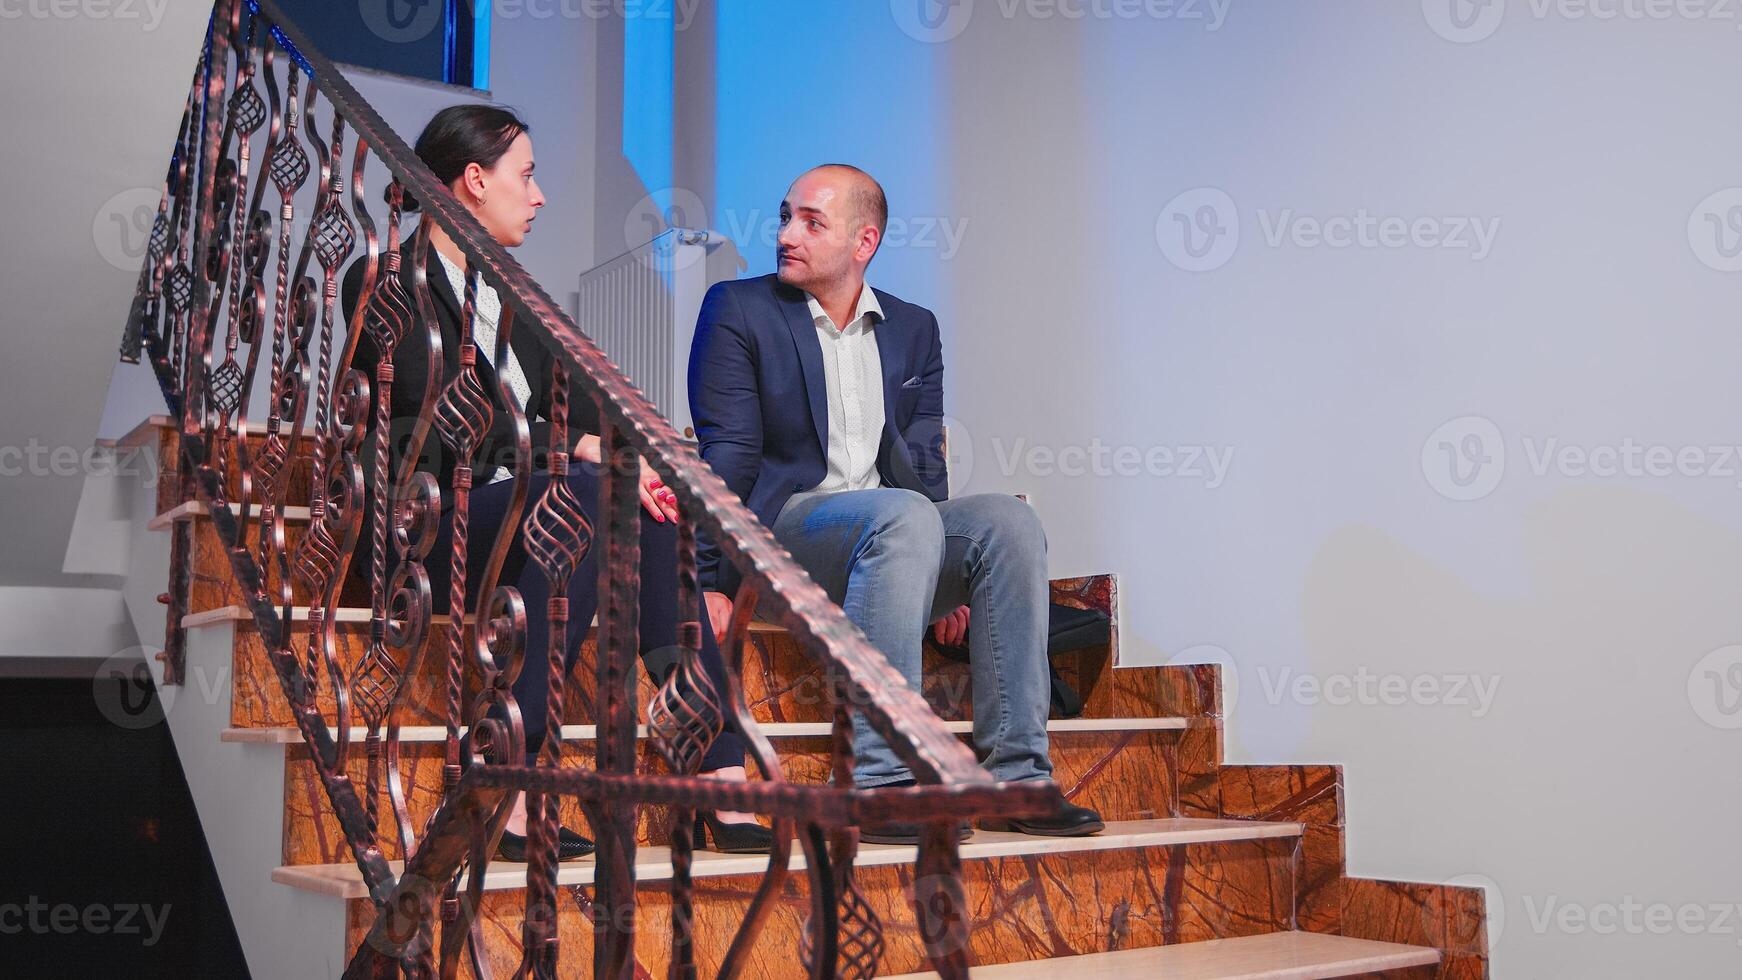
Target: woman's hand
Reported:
point(656, 496)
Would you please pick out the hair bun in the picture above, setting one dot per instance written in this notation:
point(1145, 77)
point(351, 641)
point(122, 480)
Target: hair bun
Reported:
point(407, 201)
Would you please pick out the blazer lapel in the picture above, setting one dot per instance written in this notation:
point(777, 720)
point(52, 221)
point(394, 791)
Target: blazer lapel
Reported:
point(892, 355)
point(810, 359)
point(438, 284)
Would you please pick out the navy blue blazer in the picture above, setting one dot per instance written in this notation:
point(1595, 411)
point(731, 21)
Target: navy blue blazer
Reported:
point(759, 400)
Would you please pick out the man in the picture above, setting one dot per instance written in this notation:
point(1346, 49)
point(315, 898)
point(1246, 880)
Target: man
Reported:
point(820, 402)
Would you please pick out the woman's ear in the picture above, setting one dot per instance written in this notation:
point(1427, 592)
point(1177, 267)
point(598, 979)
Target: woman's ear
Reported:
point(473, 180)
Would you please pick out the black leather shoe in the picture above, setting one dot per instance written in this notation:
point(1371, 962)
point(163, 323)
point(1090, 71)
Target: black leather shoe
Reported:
point(732, 838)
point(903, 833)
point(1070, 821)
point(570, 846)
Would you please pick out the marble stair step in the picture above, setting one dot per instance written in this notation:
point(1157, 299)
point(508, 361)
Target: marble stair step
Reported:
point(1126, 773)
point(282, 735)
point(1026, 897)
point(1276, 956)
point(654, 863)
point(782, 682)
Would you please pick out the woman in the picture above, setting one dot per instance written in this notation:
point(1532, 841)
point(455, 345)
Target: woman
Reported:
point(484, 156)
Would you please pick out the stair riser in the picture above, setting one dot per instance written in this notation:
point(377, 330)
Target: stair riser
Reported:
point(1125, 775)
point(169, 476)
point(1021, 908)
point(780, 683)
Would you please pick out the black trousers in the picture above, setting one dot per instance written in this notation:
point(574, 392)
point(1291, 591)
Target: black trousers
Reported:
point(487, 511)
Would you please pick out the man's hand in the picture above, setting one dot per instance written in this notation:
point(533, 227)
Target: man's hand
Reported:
point(719, 613)
point(952, 630)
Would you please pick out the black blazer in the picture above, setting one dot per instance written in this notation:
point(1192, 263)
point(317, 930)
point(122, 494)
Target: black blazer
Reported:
point(411, 375)
point(759, 398)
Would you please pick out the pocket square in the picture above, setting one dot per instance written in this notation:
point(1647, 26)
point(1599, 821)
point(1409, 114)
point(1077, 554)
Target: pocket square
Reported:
point(912, 382)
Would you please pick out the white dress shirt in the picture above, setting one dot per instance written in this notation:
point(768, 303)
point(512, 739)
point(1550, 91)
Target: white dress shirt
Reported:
point(853, 374)
point(486, 315)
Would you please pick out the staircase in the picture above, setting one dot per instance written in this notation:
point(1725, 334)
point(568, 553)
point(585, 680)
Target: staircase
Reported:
point(346, 842)
point(1205, 871)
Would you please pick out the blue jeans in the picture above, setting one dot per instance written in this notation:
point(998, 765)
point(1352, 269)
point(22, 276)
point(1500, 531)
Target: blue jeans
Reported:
point(897, 562)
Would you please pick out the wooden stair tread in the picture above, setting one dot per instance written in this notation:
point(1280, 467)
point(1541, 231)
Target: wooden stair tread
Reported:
point(285, 735)
point(347, 614)
point(654, 863)
point(1276, 956)
point(197, 508)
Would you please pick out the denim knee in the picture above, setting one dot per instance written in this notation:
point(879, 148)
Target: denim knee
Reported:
point(906, 523)
point(1009, 525)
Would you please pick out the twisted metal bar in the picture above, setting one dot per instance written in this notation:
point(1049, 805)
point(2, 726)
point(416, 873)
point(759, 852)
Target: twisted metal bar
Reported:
point(557, 540)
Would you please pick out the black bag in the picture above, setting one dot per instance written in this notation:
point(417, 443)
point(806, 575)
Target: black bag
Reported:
point(1069, 629)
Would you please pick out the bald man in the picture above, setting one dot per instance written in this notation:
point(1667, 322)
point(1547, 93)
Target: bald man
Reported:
point(820, 402)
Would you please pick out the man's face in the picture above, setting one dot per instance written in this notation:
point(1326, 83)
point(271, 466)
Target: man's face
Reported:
point(820, 235)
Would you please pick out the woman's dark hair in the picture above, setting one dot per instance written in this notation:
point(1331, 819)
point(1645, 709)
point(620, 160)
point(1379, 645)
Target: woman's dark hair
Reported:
point(465, 134)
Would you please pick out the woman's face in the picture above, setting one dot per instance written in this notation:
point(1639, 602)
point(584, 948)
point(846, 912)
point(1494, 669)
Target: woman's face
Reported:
point(505, 198)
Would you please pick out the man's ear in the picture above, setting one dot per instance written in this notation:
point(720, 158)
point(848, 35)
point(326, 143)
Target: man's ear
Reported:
point(869, 240)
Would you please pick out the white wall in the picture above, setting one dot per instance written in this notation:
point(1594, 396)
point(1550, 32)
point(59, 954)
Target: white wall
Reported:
point(1048, 150)
point(1590, 774)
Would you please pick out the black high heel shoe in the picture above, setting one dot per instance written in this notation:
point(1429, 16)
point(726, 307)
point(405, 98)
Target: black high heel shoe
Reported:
point(570, 846)
point(732, 838)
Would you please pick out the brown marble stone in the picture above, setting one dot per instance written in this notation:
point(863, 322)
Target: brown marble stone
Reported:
point(1121, 774)
point(1323, 867)
point(1312, 795)
point(258, 701)
point(1452, 919)
point(169, 471)
point(1021, 908)
point(1197, 769)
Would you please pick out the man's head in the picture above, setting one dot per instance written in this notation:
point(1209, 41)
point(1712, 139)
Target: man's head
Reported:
point(830, 226)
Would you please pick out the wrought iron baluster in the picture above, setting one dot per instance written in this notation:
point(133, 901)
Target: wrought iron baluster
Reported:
point(557, 538)
point(683, 719)
point(618, 646)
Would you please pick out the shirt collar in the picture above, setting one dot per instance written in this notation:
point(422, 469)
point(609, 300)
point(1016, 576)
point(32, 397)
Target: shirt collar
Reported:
point(868, 307)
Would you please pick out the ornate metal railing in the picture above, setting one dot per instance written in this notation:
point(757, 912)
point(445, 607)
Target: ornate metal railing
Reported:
point(226, 274)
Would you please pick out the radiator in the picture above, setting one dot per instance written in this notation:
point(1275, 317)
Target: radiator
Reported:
point(641, 308)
